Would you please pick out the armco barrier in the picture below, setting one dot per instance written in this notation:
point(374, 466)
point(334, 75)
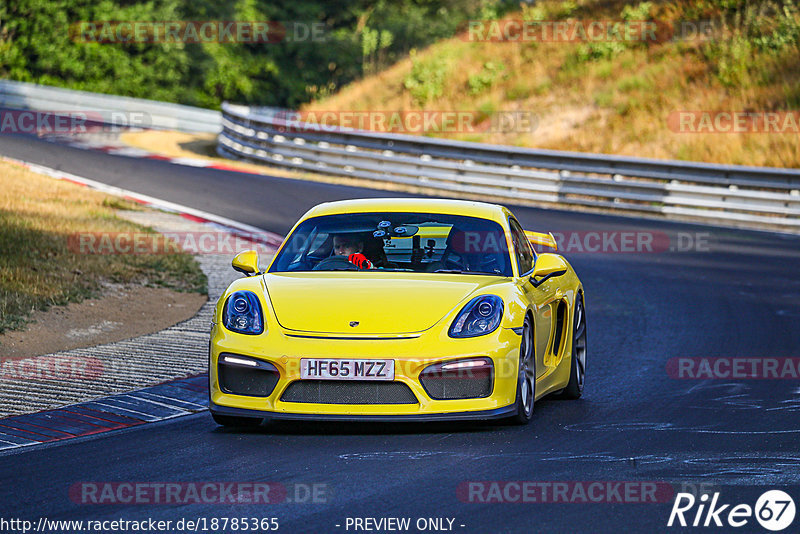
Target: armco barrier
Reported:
point(161, 115)
point(680, 189)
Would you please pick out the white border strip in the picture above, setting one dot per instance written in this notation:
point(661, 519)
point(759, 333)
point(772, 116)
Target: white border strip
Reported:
point(271, 237)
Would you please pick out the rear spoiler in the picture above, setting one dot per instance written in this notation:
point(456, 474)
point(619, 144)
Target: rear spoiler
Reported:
point(539, 238)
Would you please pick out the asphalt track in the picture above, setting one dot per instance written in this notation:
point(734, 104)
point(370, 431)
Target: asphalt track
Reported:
point(635, 422)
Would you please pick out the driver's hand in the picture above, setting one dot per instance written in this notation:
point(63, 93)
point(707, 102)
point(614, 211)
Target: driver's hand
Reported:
point(359, 260)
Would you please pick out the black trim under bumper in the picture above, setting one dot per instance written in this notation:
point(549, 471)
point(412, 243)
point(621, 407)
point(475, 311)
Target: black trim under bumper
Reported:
point(497, 413)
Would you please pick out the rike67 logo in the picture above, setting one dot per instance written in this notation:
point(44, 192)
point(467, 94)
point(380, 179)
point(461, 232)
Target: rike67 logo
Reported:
point(774, 510)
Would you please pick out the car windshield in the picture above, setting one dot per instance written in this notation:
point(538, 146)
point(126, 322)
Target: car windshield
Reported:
point(416, 242)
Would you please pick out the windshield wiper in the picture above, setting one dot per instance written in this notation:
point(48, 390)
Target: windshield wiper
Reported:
point(456, 271)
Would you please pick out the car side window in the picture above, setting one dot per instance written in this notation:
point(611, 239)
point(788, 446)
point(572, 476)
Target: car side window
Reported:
point(522, 248)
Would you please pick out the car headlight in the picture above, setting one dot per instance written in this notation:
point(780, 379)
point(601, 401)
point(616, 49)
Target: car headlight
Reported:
point(242, 313)
point(479, 317)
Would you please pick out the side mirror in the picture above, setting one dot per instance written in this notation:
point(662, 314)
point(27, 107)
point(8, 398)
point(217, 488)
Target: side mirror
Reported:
point(547, 266)
point(246, 262)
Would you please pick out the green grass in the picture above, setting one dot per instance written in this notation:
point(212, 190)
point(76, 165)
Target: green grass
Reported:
point(37, 268)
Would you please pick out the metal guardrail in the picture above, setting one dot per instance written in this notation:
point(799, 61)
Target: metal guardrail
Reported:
point(701, 191)
point(111, 109)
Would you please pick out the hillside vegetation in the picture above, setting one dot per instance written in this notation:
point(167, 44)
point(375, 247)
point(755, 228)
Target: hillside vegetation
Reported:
point(616, 97)
point(324, 44)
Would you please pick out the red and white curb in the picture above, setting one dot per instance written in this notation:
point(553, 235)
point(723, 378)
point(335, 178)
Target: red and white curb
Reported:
point(120, 149)
point(175, 398)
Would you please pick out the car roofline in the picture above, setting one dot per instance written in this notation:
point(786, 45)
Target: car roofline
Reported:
point(482, 210)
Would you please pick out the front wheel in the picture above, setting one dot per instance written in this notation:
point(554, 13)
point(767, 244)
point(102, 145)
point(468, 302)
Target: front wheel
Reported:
point(526, 378)
point(577, 366)
point(236, 421)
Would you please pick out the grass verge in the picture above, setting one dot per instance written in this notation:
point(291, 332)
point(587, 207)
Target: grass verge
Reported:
point(37, 268)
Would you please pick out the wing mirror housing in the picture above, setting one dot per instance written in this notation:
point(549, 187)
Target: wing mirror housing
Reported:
point(246, 262)
point(547, 266)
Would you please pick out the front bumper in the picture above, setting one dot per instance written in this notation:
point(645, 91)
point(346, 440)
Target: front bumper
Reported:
point(498, 413)
point(412, 354)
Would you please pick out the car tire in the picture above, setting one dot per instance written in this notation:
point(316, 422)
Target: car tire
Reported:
point(526, 376)
point(236, 421)
point(577, 366)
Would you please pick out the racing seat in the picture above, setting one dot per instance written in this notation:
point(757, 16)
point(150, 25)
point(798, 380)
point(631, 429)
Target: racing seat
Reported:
point(373, 250)
point(450, 258)
point(457, 257)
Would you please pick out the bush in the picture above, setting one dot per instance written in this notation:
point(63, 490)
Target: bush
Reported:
point(426, 80)
point(485, 79)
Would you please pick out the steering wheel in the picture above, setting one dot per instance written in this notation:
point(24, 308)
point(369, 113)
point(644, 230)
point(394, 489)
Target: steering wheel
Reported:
point(335, 263)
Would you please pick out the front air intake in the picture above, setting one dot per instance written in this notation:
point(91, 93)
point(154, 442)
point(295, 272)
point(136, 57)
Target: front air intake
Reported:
point(465, 379)
point(239, 375)
point(348, 392)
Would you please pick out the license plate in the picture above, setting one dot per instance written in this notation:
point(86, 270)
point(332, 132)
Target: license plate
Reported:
point(327, 369)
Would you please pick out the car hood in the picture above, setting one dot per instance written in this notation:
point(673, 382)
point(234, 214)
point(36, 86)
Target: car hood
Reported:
point(381, 303)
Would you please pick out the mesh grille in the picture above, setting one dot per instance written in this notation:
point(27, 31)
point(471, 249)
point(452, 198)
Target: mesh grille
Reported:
point(462, 384)
point(348, 392)
point(244, 381)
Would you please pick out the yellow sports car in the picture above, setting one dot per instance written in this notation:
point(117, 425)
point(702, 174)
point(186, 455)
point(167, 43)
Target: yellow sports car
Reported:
point(398, 310)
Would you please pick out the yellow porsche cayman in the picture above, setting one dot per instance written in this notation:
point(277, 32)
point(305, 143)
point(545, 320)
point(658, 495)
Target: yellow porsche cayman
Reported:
point(398, 310)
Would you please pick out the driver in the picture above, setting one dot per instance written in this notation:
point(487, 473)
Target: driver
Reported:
point(353, 248)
